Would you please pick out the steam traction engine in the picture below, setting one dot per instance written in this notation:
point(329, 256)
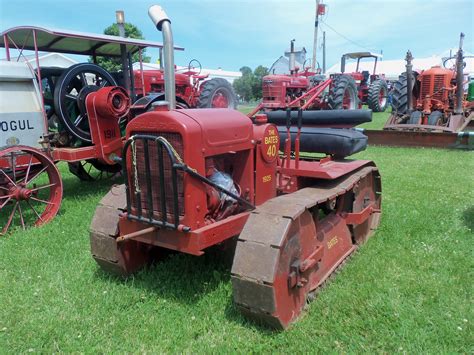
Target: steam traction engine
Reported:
point(198, 178)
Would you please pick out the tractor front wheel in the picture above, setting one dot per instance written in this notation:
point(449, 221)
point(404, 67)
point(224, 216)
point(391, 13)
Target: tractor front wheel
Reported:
point(343, 94)
point(377, 96)
point(217, 93)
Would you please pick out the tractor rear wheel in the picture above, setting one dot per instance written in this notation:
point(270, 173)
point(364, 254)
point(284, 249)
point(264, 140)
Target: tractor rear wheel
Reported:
point(399, 96)
point(217, 93)
point(377, 96)
point(343, 94)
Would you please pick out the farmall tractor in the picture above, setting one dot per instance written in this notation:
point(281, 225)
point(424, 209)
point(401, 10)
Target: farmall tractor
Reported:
point(314, 95)
point(201, 178)
point(193, 89)
point(433, 99)
point(372, 88)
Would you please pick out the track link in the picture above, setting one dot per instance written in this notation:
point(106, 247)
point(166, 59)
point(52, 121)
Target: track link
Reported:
point(269, 277)
point(117, 258)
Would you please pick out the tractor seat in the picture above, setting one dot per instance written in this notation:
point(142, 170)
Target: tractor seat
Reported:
point(340, 143)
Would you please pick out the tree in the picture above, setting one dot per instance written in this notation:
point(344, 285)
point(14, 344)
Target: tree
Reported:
point(258, 74)
point(114, 64)
point(243, 85)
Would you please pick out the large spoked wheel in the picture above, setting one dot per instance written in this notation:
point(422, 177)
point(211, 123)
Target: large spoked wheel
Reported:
point(93, 170)
point(30, 188)
point(377, 96)
point(217, 93)
point(343, 94)
point(70, 94)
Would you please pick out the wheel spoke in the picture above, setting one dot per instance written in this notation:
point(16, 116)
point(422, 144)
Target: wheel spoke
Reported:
point(29, 167)
point(103, 83)
point(78, 120)
point(36, 175)
point(42, 201)
point(36, 213)
point(4, 173)
point(8, 199)
point(42, 187)
point(10, 219)
point(83, 79)
point(71, 97)
point(22, 220)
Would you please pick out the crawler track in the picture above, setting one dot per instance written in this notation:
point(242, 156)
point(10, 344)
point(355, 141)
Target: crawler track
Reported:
point(293, 243)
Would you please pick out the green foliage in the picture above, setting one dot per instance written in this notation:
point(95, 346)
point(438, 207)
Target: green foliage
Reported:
point(114, 64)
point(249, 85)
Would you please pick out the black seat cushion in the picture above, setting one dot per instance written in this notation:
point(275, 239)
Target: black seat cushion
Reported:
point(331, 141)
point(322, 117)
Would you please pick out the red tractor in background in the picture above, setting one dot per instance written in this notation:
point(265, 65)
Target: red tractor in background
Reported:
point(193, 90)
point(372, 88)
point(432, 99)
point(201, 178)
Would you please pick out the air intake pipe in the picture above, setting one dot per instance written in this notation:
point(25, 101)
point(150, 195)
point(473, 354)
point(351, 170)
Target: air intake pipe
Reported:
point(292, 60)
point(163, 24)
point(410, 83)
point(459, 77)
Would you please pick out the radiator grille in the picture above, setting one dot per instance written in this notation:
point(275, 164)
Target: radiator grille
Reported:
point(438, 85)
point(425, 86)
point(176, 141)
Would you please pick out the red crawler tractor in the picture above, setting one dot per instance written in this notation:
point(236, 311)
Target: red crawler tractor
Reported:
point(199, 178)
point(432, 100)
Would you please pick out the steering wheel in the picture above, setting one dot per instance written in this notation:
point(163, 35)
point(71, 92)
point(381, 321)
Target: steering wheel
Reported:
point(191, 67)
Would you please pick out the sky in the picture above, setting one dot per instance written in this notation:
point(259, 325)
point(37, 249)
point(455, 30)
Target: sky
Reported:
point(235, 33)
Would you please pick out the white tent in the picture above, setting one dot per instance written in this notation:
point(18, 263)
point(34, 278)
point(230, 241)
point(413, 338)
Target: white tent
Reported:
point(393, 68)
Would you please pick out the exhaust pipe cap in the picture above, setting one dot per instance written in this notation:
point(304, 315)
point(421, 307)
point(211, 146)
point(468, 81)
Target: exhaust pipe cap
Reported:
point(158, 16)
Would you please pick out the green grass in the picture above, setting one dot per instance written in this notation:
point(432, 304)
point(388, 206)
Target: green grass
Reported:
point(409, 289)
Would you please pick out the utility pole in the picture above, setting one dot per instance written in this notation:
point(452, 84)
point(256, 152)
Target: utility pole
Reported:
point(315, 43)
point(324, 52)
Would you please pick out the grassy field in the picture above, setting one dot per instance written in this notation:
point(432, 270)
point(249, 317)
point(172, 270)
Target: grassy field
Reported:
point(409, 289)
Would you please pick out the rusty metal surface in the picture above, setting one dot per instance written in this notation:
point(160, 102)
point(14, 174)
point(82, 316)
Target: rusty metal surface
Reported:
point(399, 138)
point(269, 245)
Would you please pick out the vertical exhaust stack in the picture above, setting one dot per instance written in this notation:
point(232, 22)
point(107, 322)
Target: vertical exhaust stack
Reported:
point(292, 56)
point(410, 83)
point(163, 24)
point(459, 77)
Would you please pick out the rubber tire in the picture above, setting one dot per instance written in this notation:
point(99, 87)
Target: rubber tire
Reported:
point(338, 88)
point(210, 87)
point(374, 95)
point(415, 118)
point(59, 90)
point(399, 94)
point(434, 118)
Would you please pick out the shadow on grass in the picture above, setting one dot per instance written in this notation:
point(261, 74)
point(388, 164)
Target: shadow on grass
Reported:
point(468, 217)
point(179, 277)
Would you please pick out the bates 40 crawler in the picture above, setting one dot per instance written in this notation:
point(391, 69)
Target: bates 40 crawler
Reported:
point(198, 178)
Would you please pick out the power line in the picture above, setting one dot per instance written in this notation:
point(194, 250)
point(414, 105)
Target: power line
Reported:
point(346, 38)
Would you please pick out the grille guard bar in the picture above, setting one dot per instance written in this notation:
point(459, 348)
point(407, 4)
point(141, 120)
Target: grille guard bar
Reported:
point(176, 164)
